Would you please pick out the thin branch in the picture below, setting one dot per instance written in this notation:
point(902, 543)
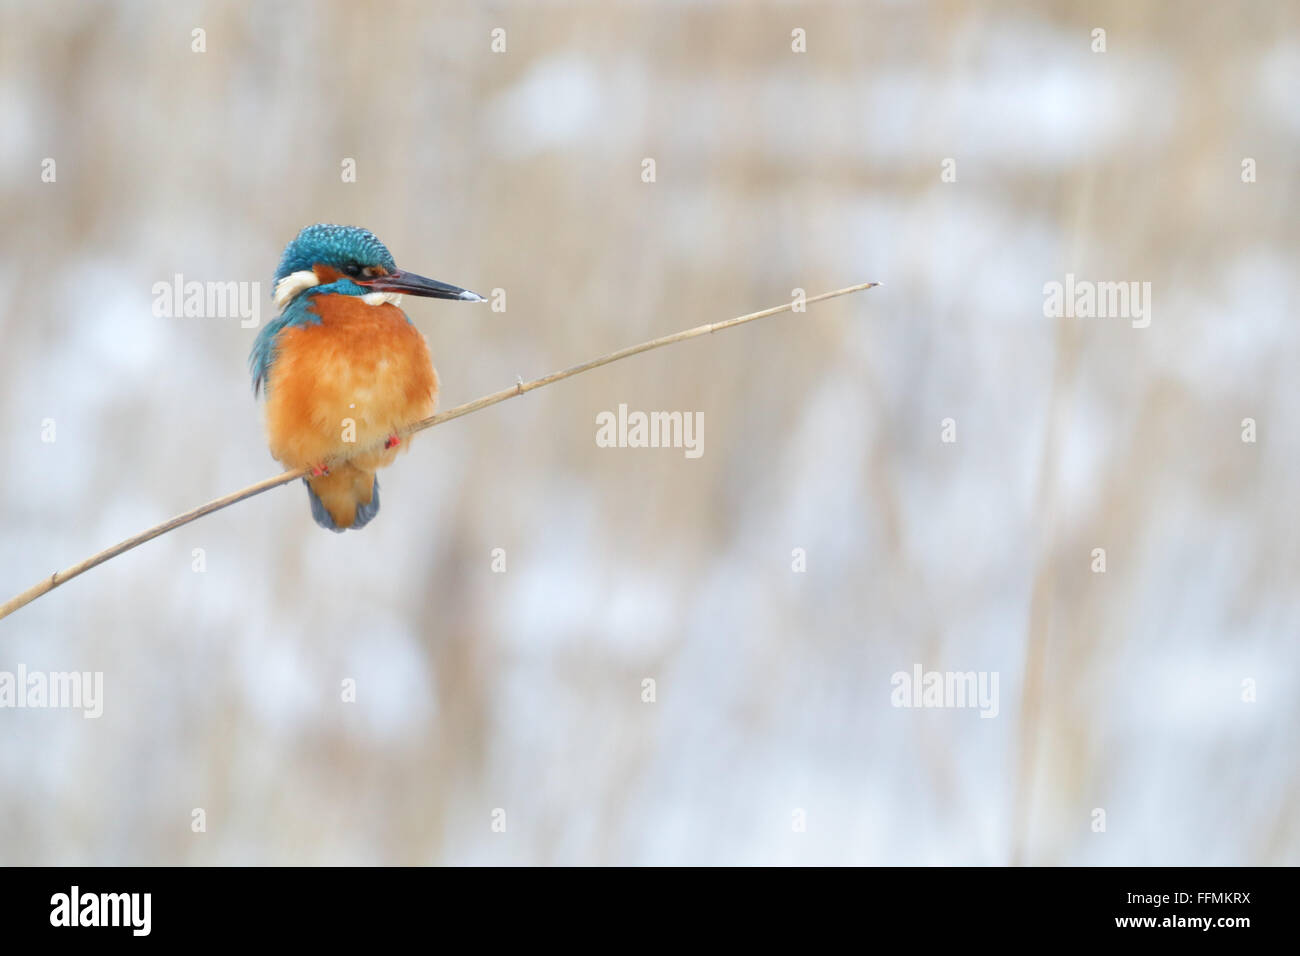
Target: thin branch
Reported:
point(59, 577)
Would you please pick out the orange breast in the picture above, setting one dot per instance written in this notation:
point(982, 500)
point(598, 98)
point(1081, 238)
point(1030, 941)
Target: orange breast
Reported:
point(358, 376)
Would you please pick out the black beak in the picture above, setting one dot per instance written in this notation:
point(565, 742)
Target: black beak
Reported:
point(412, 284)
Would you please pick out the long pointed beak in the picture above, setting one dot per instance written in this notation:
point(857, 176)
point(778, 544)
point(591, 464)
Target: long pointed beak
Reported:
point(412, 284)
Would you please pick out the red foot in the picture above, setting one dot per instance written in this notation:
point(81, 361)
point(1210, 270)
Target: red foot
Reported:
point(319, 471)
point(393, 442)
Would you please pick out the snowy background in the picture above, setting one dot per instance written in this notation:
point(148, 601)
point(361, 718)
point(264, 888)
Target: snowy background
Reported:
point(521, 691)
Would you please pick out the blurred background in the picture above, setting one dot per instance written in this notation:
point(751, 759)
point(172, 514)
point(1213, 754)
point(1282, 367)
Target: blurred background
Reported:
point(522, 691)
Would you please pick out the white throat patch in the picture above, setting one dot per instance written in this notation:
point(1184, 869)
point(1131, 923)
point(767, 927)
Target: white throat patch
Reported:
point(379, 298)
point(291, 285)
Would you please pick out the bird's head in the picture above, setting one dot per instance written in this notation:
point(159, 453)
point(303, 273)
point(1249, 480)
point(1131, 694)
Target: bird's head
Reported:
point(351, 261)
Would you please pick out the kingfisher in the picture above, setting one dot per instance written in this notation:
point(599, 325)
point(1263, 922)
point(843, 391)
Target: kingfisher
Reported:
point(343, 368)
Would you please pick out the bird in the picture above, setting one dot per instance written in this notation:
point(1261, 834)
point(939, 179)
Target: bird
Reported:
point(342, 367)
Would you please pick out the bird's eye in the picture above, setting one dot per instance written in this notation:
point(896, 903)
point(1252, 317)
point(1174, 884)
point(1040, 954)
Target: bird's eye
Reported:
point(352, 269)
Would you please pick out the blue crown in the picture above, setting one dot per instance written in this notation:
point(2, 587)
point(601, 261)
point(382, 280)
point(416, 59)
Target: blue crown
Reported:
point(335, 246)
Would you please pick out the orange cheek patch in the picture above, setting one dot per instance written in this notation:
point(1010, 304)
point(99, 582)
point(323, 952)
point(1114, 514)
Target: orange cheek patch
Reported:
point(326, 274)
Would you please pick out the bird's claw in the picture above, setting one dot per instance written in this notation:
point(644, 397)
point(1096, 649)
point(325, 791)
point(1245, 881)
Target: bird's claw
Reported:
point(392, 442)
point(319, 471)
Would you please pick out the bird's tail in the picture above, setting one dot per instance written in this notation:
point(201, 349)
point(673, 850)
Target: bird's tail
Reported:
point(348, 497)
